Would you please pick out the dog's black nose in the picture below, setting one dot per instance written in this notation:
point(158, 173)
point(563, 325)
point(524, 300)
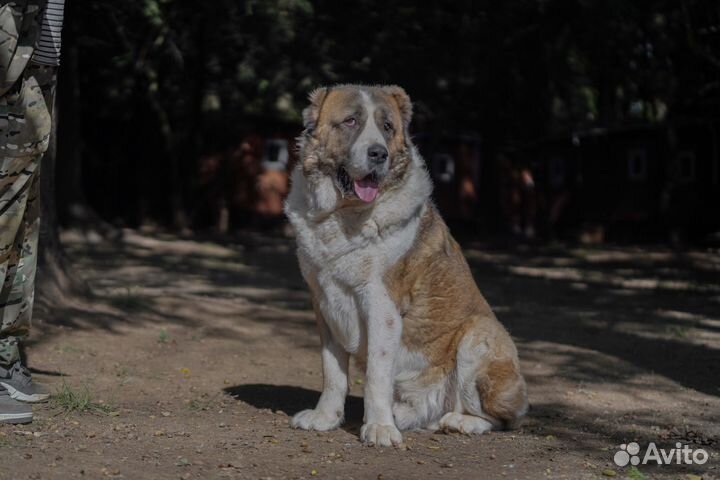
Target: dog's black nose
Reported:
point(377, 154)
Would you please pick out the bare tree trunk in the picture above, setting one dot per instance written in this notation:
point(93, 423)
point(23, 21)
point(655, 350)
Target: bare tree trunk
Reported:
point(54, 279)
point(69, 194)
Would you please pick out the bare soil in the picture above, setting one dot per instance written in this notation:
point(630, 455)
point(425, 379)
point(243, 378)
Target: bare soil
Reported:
point(196, 354)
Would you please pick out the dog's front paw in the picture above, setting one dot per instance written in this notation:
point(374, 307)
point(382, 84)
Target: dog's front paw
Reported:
point(316, 420)
point(380, 435)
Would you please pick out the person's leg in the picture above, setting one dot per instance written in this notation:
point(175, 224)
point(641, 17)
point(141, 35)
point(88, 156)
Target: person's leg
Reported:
point(30, 36)
point(16, 299)
point(16, 234)
point(18, 254)
point(21, 149)
point(18, 183)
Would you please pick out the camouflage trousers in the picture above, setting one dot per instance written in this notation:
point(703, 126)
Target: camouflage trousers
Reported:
point(25, 122)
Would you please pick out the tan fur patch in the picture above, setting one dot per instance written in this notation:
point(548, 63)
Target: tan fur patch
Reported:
point(443, 299)
point(440, 304)
point(502, 391)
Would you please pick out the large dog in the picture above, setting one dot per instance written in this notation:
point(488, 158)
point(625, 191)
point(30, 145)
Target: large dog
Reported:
point(389, 284)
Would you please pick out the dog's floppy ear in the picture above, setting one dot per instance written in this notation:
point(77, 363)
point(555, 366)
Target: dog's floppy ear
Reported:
point(312, 112)
point(403, 101)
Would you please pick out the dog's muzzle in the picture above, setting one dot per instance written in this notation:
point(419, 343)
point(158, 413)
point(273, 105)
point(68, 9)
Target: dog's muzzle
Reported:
point(366, 188)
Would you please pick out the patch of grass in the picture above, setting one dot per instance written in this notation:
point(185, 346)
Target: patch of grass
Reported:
point(635, 474)
point(164, 336)
point(78, 400)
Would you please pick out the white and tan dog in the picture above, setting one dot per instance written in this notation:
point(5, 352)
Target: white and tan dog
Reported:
point(389, 284)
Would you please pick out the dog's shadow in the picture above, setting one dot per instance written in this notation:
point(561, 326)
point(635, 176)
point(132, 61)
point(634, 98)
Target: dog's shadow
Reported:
point(292, 400)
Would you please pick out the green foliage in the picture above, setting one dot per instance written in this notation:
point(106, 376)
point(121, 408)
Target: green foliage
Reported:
point(509, 59)
point(164, 336)
point(635, 474)
point(162, 81)
point(77, 400)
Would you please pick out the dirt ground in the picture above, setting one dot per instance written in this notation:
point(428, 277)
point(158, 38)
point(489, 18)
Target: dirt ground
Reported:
point(196, 353)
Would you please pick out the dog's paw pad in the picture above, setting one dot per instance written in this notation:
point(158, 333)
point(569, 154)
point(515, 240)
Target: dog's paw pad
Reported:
point(316, 420)
point(380, 435)
point(468, 424)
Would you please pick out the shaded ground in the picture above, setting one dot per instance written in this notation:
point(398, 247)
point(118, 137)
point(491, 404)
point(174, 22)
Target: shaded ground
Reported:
point(197, 353)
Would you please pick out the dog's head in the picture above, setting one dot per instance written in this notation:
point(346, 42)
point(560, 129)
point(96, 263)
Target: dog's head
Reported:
point(358, 137)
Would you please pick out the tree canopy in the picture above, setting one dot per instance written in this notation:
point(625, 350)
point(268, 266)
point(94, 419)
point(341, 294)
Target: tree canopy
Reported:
point(169, 79)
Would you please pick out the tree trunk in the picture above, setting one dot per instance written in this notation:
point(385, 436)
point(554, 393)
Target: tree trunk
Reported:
point(54, 280)
point(69, 194)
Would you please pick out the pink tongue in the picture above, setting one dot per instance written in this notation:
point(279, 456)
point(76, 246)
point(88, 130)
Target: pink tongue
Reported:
point(366, 189)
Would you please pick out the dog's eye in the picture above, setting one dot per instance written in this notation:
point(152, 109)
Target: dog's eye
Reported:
point(350, 122)
point(388, 126)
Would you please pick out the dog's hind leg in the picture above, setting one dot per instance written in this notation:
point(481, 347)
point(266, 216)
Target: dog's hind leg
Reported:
point(491, 391)
point(419, 407)
point(468, 424)
point(497, 400)
point(502, 391)
point(406, 416)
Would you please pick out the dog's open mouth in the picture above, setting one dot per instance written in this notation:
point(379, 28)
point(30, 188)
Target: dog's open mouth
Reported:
point(365, 188)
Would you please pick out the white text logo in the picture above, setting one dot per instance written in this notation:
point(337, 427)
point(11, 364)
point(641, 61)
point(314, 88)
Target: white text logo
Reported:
point(680, 455)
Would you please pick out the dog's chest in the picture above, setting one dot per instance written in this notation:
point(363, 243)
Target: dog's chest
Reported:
point(339, 308)
point(340, 267)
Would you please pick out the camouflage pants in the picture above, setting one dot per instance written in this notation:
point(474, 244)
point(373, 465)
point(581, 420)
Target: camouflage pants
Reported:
point(26, 91)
